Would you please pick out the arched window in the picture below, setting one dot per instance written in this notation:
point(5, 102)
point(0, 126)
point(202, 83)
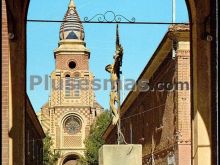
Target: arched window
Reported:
point(67, 85)
point(76, 85)
point(72, 124)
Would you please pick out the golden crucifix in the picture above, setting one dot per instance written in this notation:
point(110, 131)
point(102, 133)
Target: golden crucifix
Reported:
point(114, 70)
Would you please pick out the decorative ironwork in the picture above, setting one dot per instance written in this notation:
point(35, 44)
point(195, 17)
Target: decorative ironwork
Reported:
point(109, 17)
point(97, 22)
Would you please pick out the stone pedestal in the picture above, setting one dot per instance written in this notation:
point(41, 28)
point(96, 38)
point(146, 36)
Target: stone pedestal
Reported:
point(123, 154)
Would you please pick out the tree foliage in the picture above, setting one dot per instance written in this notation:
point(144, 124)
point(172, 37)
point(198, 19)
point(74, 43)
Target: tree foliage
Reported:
point(50, 157)
point(94, 141)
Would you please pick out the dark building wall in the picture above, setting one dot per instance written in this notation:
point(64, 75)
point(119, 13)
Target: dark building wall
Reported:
point(150, 120)
point(33, 144)
point(14, 81)
point(157, 115)
point(33, 137)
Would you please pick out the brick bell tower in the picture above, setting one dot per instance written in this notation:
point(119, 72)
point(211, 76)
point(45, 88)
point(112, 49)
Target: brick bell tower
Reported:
point(72, 64)
point(72, 107)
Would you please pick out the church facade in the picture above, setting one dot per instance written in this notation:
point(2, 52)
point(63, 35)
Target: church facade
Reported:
point(72, 107)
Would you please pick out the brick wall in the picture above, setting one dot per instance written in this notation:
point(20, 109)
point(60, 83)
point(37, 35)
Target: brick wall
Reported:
point(183, 104)
point(5, 85)
point(82, 62)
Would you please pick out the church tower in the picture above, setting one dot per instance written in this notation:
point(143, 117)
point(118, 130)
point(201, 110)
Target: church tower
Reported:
point(72, 107)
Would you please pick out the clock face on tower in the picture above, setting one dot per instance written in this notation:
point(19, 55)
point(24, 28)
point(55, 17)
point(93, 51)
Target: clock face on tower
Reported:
point(72, 124)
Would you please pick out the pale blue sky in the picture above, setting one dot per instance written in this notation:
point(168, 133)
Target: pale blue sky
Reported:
point(139, 41)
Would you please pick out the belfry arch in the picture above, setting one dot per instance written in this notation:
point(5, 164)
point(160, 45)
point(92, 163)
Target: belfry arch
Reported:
point(70, 159)
point(203, 64)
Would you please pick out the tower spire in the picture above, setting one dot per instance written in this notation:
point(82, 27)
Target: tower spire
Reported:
point(72, 4)
point(71, 27)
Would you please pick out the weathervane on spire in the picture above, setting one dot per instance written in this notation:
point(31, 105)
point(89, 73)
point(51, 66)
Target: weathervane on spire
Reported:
point(114, 70)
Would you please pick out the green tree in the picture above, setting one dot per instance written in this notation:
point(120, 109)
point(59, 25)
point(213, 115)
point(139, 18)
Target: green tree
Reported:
point(50, 157)
point(94, 141)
